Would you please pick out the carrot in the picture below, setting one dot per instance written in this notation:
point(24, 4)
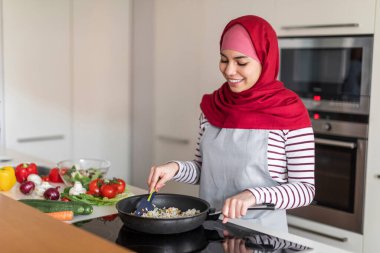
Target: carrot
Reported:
point(62, 215)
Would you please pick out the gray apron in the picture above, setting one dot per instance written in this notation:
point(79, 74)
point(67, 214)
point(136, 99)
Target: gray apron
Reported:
point(232, 161)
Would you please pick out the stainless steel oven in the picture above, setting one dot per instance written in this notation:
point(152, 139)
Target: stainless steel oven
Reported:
point(332, 76)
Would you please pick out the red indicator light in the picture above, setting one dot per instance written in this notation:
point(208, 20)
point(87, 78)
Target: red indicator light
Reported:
point(317, 98)
point(316, 116)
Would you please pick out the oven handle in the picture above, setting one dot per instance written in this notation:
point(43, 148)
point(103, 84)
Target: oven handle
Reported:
point(343, 144)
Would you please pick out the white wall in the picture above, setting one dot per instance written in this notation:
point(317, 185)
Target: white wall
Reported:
point(142, 90)
point(101, 41)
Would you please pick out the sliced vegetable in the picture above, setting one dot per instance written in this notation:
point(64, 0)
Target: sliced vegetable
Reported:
point(49, 206)
point(23, 170)
point(27, 187)
point(7, 178)
point(62, 215)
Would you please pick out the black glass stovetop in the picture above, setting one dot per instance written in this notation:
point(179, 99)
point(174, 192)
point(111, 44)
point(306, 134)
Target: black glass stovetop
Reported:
point(212, 236)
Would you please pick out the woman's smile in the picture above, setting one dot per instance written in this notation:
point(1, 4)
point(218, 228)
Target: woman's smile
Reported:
point(234, 82)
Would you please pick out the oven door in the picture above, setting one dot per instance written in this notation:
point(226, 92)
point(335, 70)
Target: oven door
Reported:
point(339, 181)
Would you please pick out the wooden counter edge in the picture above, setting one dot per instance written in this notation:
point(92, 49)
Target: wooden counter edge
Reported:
point(25, 229)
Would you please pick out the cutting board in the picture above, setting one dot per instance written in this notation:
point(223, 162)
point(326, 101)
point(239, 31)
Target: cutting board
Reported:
point(99, 211)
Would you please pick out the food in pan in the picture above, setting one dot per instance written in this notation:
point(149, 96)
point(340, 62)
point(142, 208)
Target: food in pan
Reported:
point(171, 212)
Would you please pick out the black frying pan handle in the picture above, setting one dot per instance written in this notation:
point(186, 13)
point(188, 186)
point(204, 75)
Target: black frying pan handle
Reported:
point(263, 206)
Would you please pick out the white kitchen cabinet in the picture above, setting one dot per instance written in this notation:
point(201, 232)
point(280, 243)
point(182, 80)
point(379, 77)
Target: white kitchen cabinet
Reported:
point(326, 234)
point(37, 89)
point(324, 17)
point(372, 204)
point(67, 79)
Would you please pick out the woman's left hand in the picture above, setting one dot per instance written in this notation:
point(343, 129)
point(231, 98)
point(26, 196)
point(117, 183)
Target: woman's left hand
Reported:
point(236, 206)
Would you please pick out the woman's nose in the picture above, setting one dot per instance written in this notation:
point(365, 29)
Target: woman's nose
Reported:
point(230, 69)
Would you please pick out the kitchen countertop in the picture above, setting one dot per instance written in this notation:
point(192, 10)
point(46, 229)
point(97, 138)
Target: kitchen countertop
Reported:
point(20, 220)
point(16, 210)
point(25, 229)
point(13, 158)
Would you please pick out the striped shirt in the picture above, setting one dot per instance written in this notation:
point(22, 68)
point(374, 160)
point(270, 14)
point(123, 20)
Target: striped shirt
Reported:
point(290, 163)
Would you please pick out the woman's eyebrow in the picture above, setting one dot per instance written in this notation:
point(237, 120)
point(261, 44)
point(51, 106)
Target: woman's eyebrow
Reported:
point(240, 57)
point(235, 58)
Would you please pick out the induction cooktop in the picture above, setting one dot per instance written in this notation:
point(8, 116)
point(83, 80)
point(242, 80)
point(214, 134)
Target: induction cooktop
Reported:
point(212, 236)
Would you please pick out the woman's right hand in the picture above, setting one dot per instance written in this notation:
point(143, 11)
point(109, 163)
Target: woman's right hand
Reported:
point(159, 175)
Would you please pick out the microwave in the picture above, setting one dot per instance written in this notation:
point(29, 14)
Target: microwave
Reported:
point(330, 74)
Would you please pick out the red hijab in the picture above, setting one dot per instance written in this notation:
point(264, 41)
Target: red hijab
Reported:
point(267, 104)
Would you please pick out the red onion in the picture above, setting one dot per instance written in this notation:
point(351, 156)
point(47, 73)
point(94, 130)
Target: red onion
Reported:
point(27, 187)
point(52, 194)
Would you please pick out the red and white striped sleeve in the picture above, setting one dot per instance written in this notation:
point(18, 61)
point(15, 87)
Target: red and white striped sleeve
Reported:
point(291, 164)
point(190, 171)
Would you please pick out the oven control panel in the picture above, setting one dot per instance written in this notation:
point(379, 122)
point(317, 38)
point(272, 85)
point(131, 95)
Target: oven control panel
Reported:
point(340, 128)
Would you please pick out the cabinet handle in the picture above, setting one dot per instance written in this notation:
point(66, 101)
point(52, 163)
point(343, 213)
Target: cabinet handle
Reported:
point(42, 138)
point(174, 139)
point(340, 239)
point(297, 27)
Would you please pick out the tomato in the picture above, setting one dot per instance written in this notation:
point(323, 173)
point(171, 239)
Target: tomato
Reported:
point(119, 185)
point(94, 187)
point(108, 191)
point(54, 176)
point(45, 178)
point(64, 199)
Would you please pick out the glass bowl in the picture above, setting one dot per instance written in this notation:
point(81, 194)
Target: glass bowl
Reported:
point(82, 170)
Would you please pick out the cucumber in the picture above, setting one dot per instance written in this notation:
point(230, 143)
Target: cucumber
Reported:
point(49, 206)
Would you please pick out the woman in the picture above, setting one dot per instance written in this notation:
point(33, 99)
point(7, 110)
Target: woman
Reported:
point(256, 144)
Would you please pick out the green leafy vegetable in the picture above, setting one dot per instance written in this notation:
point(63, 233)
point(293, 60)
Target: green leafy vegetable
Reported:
point(83, 176)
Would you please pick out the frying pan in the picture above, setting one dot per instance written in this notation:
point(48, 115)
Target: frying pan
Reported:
point(127, 206)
